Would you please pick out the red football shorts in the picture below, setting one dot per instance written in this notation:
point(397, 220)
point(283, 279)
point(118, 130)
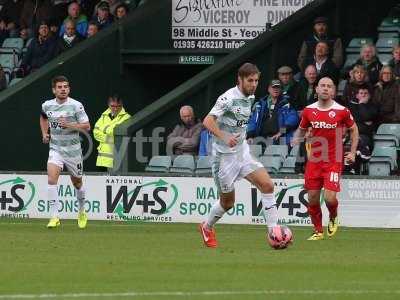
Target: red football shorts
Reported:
point(323, 175)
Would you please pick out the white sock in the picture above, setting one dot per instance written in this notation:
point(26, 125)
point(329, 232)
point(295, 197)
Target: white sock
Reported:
point(216, 213)
point(270, 209)
point(80, 194)
point(52, 196)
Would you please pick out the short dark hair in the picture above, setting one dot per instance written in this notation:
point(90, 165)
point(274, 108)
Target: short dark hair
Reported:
point(124, 6)
point(115, 98)
point(57, 79)
point(248, 69)
point(93, 23)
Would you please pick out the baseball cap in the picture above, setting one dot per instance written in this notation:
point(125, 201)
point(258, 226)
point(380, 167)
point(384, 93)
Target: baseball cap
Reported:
point(104, 5)
point(275, 83)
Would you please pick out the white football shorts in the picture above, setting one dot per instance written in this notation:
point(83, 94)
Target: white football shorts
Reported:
point(73, 166)
point(229, 168)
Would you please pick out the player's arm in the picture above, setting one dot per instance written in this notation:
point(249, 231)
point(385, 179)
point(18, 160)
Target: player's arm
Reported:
point(74, 126)
point(210, 122)
point(354, 137)
point(298, 136)
point(44, 128)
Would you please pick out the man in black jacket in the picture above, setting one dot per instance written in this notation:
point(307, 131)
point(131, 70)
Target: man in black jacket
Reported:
point(70, 38)
point(324, 65)
point(364, 113)
point(321, 34)
point(40, 51)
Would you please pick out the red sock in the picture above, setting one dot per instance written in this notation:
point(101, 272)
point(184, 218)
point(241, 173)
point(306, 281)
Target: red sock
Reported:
point(316, 216)
point(332, 207)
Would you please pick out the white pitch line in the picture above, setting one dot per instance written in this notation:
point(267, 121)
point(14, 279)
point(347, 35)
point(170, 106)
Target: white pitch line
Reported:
point(196, 294)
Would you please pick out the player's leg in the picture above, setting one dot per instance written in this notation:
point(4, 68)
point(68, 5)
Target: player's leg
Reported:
point(331, 203)
point(315, 212)
point(53, 173)
point(313, 183)
point(225, 171)
point(261, 179)
point(332, 187)
point(75, 168)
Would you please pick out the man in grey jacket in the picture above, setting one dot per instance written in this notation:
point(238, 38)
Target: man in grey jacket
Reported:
point(185, 137)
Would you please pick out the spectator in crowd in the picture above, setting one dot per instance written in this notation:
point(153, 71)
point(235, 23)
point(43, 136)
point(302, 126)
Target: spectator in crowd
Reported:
point(370, 61)
point(121, 11)
point(395, 62)
point(11, 11)
point(69, 39)
point(3, 79)
point(290, 87)
point(273, 117)
point(3, 31)
point(320, 34)
point(112, 4)
point(364, 113)
point(307, 84)
point(81, 22)
point(185, 137)
point(387, 97)
point(324, 65)
point(103, 16)
point(205, 143)
point(93, 28)
point(358, 79)
point(34, 12)
point(104, 131)
point(40, 51)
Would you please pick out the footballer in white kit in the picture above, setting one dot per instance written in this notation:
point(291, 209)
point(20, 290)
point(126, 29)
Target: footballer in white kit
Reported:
point(227, 121)
point(61, 120)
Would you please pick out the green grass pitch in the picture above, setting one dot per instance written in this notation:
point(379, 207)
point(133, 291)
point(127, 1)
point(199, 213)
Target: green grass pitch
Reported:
point(168, 261)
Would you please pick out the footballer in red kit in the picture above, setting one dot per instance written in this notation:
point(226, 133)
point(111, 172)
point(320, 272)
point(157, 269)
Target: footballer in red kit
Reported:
point(328, 122)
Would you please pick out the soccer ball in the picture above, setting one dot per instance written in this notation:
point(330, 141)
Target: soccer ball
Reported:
point(280, 237)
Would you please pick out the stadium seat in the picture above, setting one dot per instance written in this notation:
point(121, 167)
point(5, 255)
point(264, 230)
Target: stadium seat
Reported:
point(8, 61)
point(277, 150)
point(351, 60)
point(12, 45)
point(356, 44)
point(203, 166)
point(14, 81)
point(388, 35)
point(384, 58)
point(289, 165)
point(390, 24)
point(271, 163)
point(378, 169)
point(341, 87)
point(159, 164)
point(385, 45)
point(183, 164)
point(387, 135)
point(295, 151)
point(7, 75)
point(256, 150)
point(384, 155)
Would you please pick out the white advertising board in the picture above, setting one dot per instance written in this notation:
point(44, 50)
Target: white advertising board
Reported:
point(225, 24)
point(363, 203)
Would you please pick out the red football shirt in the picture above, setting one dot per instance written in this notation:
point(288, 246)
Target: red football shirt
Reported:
point(328, 128)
